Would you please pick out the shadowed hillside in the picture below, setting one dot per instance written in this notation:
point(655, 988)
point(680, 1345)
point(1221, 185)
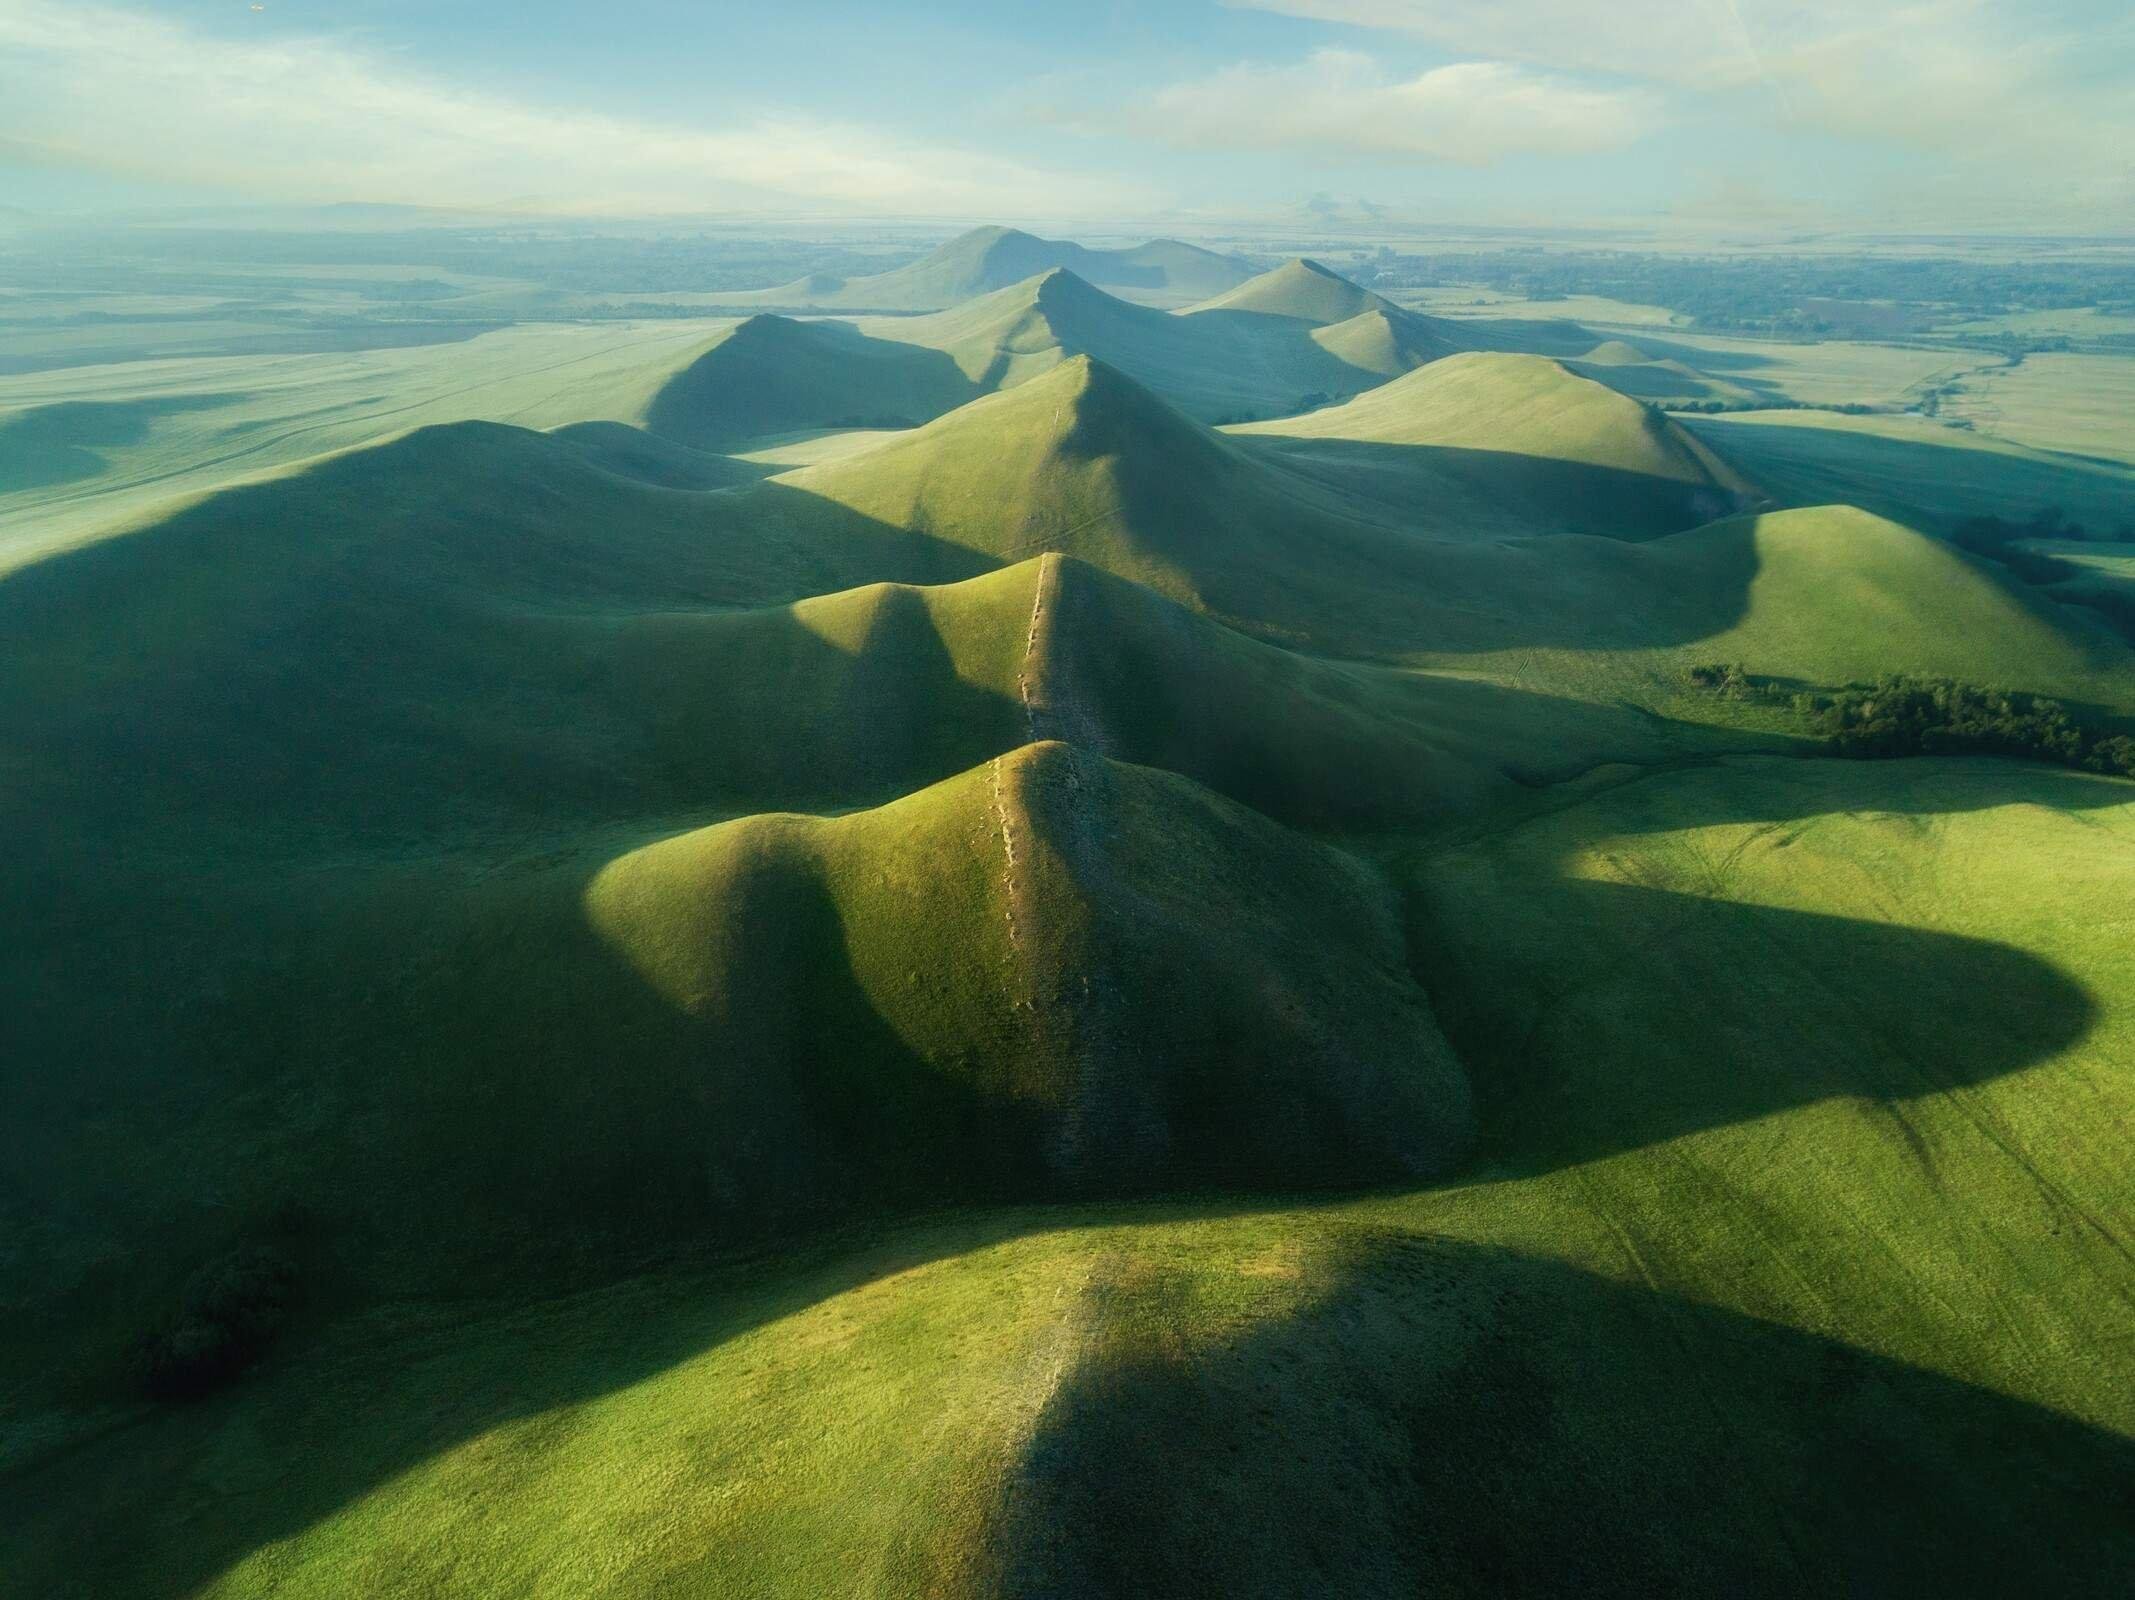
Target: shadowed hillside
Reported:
point(1510, 442)
point(770, 375)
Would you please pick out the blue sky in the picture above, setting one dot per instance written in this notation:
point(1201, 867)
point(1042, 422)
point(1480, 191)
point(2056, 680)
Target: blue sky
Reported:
point(1900, 113)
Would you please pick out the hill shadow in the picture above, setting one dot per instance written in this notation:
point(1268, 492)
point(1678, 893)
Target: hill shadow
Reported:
point(1446, 490)
point(1452, 1419)
point(1253, 342)
point(1909, 479)
point(1818, 1007)
point(773, 375)
point(43, 447)
point(572, 1130)
point(341, 660)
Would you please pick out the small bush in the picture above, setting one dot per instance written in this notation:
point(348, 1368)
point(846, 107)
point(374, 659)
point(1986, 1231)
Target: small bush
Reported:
point(1731, 681)
point(228, 1313)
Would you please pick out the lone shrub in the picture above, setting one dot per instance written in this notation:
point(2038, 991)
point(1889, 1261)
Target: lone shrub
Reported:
point(229, 1312)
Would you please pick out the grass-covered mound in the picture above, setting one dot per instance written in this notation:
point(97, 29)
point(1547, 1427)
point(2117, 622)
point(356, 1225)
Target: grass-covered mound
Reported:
point(1489, 443)
point(471, 883)
point(1003, 984)
point(990, 258)
point(1765, 1283)
point(1300, 290)
point(1215, 364)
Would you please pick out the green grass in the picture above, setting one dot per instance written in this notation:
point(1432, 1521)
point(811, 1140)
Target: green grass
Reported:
point(812, 1021)
point(2081, 404)
point(1733, 1300)
point(1914, 468)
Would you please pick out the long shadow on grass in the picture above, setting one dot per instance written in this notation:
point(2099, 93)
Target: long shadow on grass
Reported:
point(1583, 1006)
point(43, 447)
point(1943, 480)
point(491, 1087)
point(452, 1101)
point(1456, 492)
point(1449, 1419)
point(774, 375)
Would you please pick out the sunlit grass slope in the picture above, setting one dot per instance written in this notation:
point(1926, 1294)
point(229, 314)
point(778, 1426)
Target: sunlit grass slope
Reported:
point(1821, 596)
point(629, 933)
point(1492, 444)
point(1300, 290)
point(1087, 462)
point(973, 991)
point(1768, 1284)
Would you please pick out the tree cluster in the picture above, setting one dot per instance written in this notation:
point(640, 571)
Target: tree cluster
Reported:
point(1907, 716)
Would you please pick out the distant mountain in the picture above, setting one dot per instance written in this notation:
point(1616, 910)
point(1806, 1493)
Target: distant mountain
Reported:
point(1301, 289)
point(1217, 363)
point(986, 259)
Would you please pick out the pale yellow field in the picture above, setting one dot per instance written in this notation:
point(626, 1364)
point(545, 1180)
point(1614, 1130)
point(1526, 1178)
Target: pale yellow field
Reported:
point(2079, 403)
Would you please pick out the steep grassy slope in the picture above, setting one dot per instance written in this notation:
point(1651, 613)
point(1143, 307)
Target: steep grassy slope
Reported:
point(511, 876)
point(972, 991)
point(1300, 290)
point(1213, 364)
point(771, 375)
point(1737, 1301)
point(986, 259)
point(1086, 462)
point(1511, 443)
point(314, 784)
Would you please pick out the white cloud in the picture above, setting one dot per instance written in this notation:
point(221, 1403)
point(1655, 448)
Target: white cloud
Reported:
point(1664, 39)
point(2004, 108)
point(113, 90)
point(1471, 113)
point(1985, 79)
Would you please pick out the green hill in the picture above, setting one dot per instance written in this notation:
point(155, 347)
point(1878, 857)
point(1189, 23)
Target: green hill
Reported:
point(1301, 290)
point(1629, 370)
point(1065, 1001)
point(772, 375)
point(1700, 1184)
point(986, 259)
point(1486, 443)
point(1212, 364)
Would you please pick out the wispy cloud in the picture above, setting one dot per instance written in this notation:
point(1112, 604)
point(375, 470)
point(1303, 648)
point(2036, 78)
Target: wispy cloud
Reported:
point(123, 91)
point(1665, 39)
point(1990, 83)
point(1343, 101)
